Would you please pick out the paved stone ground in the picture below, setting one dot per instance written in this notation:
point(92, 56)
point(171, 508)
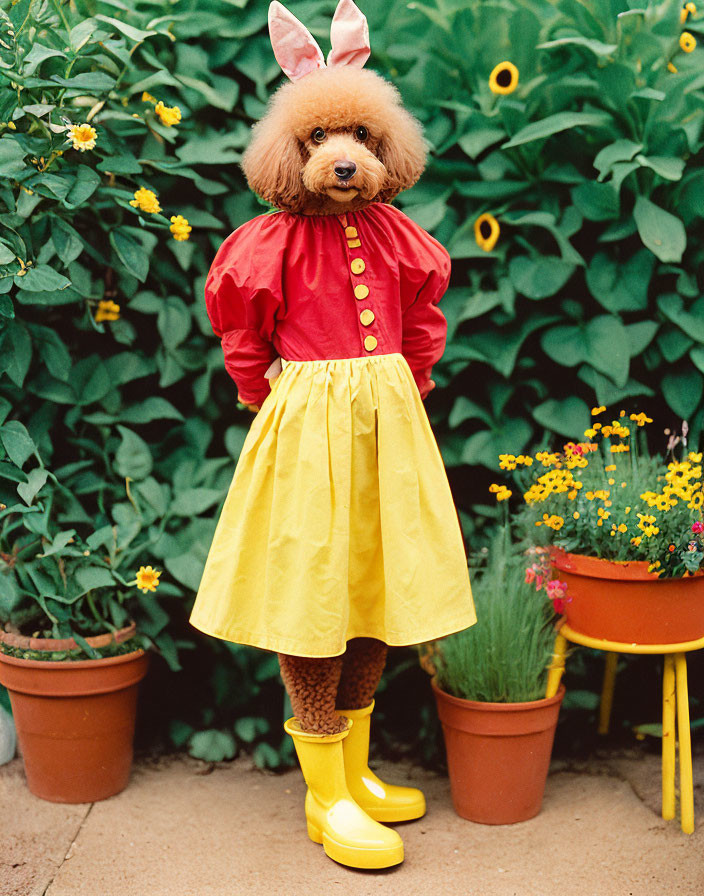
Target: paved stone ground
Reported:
point(184, 829)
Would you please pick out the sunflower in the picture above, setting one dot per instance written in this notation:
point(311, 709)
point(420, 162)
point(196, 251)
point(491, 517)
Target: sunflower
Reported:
point(486, 232)
point(504, 78)
point(687, 41)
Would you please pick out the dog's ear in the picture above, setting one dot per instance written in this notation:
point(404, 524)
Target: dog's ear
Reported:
point(402, 150)
point(349, 35)
point(273, 164)
point(295, 48)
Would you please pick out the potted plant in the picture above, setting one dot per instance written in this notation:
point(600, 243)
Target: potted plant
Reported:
point(624, 528)
point(489, 684)
point(75, 625)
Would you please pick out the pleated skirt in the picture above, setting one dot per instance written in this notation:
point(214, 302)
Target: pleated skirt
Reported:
point(339, 522)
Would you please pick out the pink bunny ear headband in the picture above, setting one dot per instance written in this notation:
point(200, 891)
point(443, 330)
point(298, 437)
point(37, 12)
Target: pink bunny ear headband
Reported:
point(297, 51)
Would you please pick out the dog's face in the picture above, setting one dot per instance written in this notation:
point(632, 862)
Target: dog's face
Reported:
point(336, 140)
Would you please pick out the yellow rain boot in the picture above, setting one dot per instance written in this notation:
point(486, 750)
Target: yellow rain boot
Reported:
point(382, 802)
point(348, 834)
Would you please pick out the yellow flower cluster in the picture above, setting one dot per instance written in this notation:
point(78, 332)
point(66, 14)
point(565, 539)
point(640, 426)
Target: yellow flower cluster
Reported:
point(552, 482)
point(551, 521)
point(510, 462)
point(146, 201)
point(603, 516)
point(548, 458)
point(598, 410)
point(107, 310)
point(619, 449)
point(600, 494)
point(502, 493)
point(640, 419)
point(180, 228)
point(647, 525)
point(168, 115)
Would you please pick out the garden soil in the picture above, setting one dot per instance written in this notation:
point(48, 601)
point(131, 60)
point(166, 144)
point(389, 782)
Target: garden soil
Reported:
point(183, 828)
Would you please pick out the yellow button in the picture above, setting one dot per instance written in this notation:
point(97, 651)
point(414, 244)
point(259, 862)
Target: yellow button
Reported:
point(367, 317)
point(354, 244)
point(350, 232)
point(361, 291)
point(357, 266)
point(370, 343)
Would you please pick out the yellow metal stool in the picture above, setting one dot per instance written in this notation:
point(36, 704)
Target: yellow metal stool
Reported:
point(675, 706)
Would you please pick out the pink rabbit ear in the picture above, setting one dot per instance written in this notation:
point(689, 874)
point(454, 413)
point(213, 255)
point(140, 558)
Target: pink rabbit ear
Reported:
point(349, 34)
point(295, 48)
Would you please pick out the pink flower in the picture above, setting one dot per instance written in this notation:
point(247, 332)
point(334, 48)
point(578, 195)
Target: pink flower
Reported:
point(530, 575)
point(698, 527)
point(560, 603)
point(538, 583)
point(692, 546)
point(556, 589)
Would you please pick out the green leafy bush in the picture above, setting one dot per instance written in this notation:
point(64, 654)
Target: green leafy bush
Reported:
point(125, 420)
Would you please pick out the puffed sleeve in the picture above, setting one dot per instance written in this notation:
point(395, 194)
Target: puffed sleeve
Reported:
point(243, 296)
point(424, 267)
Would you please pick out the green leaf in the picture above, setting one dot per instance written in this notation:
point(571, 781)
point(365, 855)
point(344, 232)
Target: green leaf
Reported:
point(10, 597)
point(35, 480)
point(603, 343)
point(133, 457)
point(11, 157)
point(540, 276)
point(597, 202)
point(152, 408)
point(132, 33)
point(595, 46)
point(193, 501)
point(174, 322)
point(569, 417)
point(42, 278)
point(90, 577)
point(618, 285)
point(619, 151)
point(691, 320)
point(509, 436)
point(7, 255)
point(667, 167)
point(17, 442)
point(38, 54)
point(95, 82)
point(212, 745)
point(86, 183)
point(662, 232)
point(682, 391)
point(131, 254)
point(478, 139)
point(554, 124)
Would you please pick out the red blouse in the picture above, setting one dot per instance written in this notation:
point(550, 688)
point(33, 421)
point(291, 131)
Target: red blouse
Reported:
point(326, 287)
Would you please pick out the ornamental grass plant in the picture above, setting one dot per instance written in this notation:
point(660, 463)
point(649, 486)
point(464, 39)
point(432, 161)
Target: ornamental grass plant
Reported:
point(504, 657)
point(611, 497)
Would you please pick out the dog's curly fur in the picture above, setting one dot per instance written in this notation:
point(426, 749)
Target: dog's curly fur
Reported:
point(287, 168)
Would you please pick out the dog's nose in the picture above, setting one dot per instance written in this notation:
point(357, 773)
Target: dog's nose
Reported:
point(345, 169)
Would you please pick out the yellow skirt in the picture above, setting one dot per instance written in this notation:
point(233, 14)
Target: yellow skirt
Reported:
point(339, 522)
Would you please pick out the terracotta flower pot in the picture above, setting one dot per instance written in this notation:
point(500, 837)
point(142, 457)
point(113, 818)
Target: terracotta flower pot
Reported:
point(624, 602)
point(498, 755)
point(75, 721)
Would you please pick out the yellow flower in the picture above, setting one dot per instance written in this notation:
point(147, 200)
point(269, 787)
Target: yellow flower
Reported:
point(168, 115)
point(619, 449)
point(612, 481)
point(148, 578)
point(148, 98)
point(687, 9)
point(672, 68)
point(504, 494)
point(641, 419)
point(637, 540)
point(622, 527)
point(687, 41)
point(696, 458)
point(83, 136)
point(180, 228)
point(589, 433)
point(610, 468)
point(575, 515)
point(486, 231)
point(503, 78)
point(107, 310)
point(146, 201)
point(598, 410)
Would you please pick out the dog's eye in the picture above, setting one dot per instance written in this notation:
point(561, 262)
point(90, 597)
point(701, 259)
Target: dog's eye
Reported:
point(361, 133)
point(318, 135)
